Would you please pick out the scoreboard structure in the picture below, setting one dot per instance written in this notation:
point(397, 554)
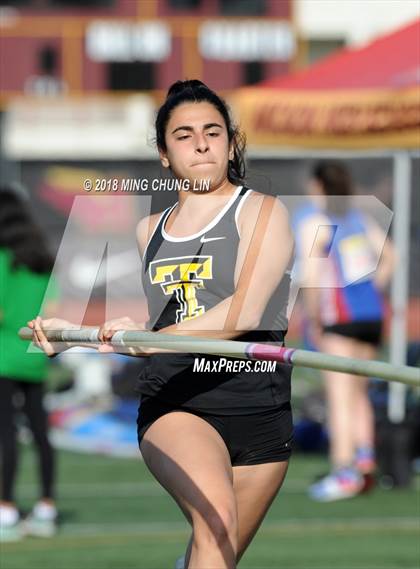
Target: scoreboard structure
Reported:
point(95, 46)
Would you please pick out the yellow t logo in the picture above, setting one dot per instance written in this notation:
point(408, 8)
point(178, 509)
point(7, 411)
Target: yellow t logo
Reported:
point(182, 276)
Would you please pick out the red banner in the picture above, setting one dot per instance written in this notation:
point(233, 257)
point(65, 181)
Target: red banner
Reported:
point(334, 119)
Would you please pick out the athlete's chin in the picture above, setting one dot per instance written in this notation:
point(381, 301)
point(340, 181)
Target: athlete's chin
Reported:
point(201, 183)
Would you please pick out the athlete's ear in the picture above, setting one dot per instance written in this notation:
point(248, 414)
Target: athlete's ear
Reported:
point(231, 152)
point(164, 159)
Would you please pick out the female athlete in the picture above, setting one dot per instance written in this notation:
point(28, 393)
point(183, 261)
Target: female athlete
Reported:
point(214, 265)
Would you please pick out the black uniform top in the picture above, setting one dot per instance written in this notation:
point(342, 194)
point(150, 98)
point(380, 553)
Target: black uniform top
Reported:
point(183, 277)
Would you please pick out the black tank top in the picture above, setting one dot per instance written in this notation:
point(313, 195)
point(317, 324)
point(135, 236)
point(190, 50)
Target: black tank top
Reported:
point(183, 277)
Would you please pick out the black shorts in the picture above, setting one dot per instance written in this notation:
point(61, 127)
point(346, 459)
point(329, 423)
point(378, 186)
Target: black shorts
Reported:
point(257, 438)
point(369, 332)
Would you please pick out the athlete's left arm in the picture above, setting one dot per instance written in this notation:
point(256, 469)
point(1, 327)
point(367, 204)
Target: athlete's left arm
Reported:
point(264, 253)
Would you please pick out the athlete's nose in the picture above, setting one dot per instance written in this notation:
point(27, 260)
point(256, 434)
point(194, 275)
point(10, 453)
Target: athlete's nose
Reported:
point(201, 144)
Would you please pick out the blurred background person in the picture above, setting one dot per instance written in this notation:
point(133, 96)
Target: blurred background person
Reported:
point(344, 312)
point(25, 267)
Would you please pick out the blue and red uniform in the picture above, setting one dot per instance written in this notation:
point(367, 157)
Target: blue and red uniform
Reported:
point(351, 303)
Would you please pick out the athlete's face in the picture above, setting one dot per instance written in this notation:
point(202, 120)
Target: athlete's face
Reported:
point(197, 145)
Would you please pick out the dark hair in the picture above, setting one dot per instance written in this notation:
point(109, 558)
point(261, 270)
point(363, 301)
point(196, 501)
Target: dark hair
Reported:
point(20, 235)
point(335, 180)
point(196, 91)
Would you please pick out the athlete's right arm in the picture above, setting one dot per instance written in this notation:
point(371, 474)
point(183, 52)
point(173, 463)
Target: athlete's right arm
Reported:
point(39, 325)
point(145, 229)
point(106, 331)
point(51, 349)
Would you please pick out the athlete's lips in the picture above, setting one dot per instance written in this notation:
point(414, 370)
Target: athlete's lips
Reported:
point(202, 163)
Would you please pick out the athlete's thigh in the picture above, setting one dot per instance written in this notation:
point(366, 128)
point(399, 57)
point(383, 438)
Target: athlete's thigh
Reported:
point(190, 460)
point(255, 488)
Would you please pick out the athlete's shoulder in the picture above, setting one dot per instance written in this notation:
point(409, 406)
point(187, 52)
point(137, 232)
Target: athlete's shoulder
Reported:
point(252, 207)
point(254, 199)
point(145, 229)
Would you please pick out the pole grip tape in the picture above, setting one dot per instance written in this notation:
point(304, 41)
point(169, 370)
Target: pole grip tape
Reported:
point(267, 352)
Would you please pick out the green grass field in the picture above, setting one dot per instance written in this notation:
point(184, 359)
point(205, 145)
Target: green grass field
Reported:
point(114, 515)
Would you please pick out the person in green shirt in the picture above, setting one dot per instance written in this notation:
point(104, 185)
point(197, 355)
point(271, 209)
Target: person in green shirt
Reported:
point(25, 267)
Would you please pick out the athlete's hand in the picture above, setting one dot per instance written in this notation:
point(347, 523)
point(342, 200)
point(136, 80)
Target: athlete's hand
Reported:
point(38, 325)
point(108, 329)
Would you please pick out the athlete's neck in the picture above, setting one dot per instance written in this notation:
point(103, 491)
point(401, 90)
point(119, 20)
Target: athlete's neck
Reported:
point(195, 197)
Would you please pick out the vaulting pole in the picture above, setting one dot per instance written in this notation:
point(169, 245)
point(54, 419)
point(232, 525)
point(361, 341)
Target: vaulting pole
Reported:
point(243, 350)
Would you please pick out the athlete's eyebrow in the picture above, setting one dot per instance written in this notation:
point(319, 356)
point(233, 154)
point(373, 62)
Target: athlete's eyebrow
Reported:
point(190, 128)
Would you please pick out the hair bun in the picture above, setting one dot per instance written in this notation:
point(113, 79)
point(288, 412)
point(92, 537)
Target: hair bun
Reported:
point(180, 86)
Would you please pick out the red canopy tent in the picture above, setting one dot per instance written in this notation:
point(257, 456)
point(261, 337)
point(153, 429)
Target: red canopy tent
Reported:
point(356, 98)
point(353, 100)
